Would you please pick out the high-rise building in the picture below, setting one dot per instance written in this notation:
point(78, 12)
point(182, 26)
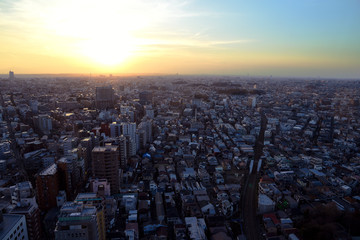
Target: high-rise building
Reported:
point(13, 226)
point(122, 152)
point(125, 128)
point(87, 145)
point(140, 139)
point(71, 174)
point(131, 146)
point(34, 106)
point(104, 97)
point(105, 161)
point(11, 76)
point(68, 144)
point(146, 126)
point(115, 129)
point(23, 198)
point(43, 122)
point(47, 186)
point(145, 97)
point(32, 218)
point(129, 129)
point(80, 221)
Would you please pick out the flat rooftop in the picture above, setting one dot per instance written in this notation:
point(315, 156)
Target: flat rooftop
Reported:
point(71, 211)
point(22, 185)
point(108, 148)
point(87, 197)
point(22, 209)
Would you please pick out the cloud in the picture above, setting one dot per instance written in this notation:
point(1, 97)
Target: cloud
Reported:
point(159, 41)
point(89, 27)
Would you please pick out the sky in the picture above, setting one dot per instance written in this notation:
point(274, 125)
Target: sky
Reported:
point(307, 38)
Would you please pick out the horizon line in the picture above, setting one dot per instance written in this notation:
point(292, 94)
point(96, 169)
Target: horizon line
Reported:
point(179, 74)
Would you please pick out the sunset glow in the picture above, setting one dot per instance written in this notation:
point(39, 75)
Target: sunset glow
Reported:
point(190, 37)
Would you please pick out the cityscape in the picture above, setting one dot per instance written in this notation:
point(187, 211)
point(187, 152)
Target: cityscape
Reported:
point(180, 157)
point(154, 120)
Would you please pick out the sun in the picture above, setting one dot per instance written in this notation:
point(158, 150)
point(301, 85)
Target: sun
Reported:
point(108, 50)
point(98, 32)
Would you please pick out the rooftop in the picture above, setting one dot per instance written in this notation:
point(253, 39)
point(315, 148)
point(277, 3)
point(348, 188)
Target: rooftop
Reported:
point(22, 209)
point(76, 211)
point(107, 148)
point(9, 221)
point(22, 185)
point(87, 197)
point(50, 170)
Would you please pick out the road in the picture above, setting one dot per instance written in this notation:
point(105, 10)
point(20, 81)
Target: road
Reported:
point(249, 198)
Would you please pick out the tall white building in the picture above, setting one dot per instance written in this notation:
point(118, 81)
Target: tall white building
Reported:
point(129, 129)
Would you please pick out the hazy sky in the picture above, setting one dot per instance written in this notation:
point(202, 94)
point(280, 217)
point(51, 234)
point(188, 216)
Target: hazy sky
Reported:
point(258, 37)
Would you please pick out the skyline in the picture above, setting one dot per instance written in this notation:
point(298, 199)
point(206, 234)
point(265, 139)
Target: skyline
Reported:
point(300, 39)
